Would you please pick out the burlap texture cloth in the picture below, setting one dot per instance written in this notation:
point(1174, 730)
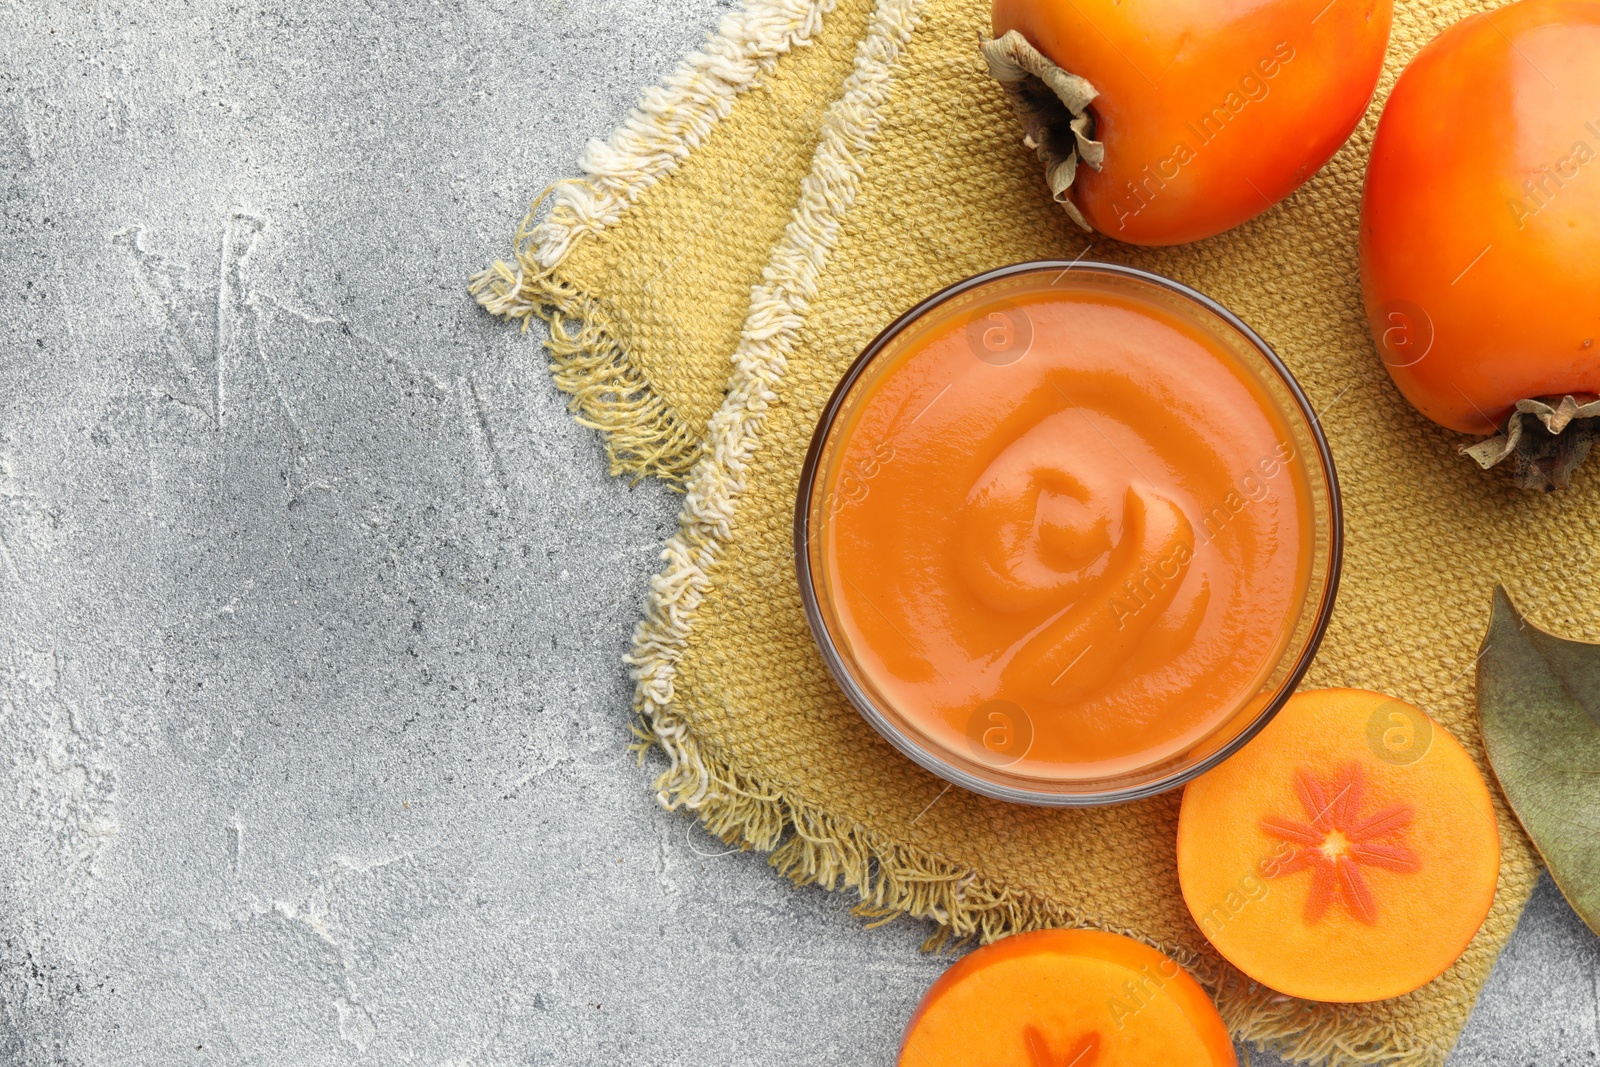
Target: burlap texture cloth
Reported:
point(815, 170)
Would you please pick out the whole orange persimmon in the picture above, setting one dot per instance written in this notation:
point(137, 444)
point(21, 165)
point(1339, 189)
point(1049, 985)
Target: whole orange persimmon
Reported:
point(1201, 114)
point(1480, 231)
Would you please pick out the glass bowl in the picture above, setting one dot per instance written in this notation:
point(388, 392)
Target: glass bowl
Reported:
point(970, 306)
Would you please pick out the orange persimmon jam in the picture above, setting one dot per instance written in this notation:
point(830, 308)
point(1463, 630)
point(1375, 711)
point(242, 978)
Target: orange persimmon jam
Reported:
point(1070, 532)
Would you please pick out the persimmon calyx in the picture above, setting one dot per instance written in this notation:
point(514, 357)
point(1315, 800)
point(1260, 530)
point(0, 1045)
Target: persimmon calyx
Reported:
point(1053, 105)
point(1545, 439)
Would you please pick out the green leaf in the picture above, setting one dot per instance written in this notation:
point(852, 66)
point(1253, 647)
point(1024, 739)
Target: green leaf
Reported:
point(1539, 703)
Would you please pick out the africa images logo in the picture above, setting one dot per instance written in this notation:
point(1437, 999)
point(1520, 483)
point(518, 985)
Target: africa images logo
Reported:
point(1254, 87)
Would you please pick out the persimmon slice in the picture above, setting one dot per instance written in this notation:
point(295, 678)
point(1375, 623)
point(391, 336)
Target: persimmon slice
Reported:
point(1066, 998)
point(1348, 853)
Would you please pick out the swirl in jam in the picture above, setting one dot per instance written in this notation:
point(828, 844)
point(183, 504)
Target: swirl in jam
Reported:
point(1111, 534)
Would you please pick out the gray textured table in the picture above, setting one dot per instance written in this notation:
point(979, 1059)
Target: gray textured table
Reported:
point(311, 594)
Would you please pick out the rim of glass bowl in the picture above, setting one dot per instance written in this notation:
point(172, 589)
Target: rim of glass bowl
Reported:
point(924, 754)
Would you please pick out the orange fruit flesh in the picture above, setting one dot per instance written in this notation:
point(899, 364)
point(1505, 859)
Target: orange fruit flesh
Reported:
point(1348, 853)
point(1059, 997)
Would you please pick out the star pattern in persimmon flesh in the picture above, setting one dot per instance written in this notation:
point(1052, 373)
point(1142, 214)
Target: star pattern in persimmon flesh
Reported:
point(1084, 1052)
point(1338, 841)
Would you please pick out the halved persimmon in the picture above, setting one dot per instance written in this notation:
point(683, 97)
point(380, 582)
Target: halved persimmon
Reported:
point(1066, 998)
point(1189, 116)
point(1348, 853)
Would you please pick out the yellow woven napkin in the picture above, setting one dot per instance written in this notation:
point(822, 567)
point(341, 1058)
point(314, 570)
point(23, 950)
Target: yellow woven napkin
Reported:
point(643, 269)
point(815, 172)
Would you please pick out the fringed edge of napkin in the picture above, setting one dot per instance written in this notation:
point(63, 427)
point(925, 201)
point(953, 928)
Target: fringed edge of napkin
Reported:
point(642, 434)
point(806, 844)
point(893, 880)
